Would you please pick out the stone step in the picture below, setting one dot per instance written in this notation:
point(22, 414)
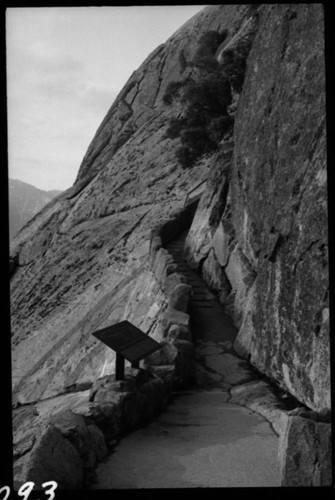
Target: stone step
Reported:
point(205, 303)
point(202, 299)
point(202, 305)
point(199, 293)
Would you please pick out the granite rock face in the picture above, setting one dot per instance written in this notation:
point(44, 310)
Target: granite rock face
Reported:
point(262, 220)
point(259, 235)
point(279, 195)
point(83, 260)
point(305, 451)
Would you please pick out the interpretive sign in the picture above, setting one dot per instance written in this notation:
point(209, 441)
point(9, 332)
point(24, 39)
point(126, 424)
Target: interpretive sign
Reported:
point(129, 342)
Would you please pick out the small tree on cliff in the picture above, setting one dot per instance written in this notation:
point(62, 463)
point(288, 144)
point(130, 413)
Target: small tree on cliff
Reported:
point(205, 96)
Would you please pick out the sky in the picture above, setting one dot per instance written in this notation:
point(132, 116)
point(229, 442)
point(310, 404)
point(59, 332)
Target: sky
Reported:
point(65, 66)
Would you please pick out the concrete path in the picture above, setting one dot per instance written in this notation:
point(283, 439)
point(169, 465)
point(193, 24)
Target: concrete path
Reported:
point(201, 439)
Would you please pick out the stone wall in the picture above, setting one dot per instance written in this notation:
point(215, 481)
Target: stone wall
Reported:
point(175, 361)
point(70, 443)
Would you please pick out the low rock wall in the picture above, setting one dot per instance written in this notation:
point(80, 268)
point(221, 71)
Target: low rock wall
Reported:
point(174, 362)
point(71, 443)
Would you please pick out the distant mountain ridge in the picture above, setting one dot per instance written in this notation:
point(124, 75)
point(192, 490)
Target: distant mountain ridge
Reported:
point(25, 201)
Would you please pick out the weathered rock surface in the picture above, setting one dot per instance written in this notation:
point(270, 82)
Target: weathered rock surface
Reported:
point(98, 448)
point(49, 456)
point(305, 451)
point(259, 397)
point(73, 427)
point(83, 260)
point(263, 214)
point(164, 356)
point(210, 208)
point(279, 194)
point(179, 297)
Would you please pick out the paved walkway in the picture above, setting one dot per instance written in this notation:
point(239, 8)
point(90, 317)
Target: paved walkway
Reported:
point(201, 439)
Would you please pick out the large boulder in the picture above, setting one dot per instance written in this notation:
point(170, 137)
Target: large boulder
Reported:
point(180, 297)
point(54, 458)
point(305, 452)
point(174, 317)
point(179, 332)
point(167, 373)
point(98, 448)
point(165, 356)
point(73, 427)
point(172, 281)
point(105, 414)
point(88, 440)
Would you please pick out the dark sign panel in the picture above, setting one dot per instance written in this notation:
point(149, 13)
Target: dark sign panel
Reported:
point(128, 340)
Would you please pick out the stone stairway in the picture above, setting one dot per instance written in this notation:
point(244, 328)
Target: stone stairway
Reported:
point(206, 437)
point(213, 331)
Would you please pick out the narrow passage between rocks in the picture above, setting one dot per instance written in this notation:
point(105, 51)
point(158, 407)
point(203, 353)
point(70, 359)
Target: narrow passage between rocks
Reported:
point(201, 439)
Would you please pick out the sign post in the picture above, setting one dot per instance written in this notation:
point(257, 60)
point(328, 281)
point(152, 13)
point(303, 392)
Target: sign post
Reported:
point(119, 367)
point(129, 342)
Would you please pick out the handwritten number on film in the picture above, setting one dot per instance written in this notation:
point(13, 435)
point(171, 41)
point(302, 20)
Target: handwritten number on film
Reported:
point(5, 489)
point(27, 488)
